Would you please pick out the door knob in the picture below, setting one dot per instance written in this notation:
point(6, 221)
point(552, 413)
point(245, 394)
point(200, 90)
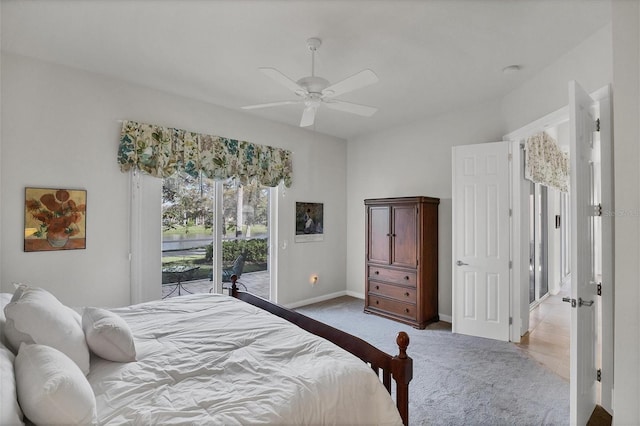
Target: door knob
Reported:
point(584, 302)
point(461, 263)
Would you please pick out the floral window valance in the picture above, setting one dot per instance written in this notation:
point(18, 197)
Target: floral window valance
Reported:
point(163, 151)
point(545, 163)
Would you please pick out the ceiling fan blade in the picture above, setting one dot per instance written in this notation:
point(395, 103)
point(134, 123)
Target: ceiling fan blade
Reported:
point(363, 110)
point(308, 116)
point(282, 79)
point(356, 81)
point(271, 104)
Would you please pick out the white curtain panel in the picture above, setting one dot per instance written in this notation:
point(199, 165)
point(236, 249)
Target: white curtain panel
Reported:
point(546, 163)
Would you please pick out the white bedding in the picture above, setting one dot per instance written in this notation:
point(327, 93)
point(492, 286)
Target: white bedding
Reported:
point(212, 359)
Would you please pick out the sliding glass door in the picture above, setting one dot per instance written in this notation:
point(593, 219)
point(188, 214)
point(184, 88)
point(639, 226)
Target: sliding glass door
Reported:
point(212, 230)
point(245, 236)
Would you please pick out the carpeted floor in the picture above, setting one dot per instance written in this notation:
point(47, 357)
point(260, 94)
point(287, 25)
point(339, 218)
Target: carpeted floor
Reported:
point(457, 379)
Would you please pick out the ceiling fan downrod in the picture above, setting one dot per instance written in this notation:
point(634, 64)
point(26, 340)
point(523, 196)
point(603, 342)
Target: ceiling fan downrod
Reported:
point(313, 44)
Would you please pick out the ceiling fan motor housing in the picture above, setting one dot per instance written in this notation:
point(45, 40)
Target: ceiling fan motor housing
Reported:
point(313, 84)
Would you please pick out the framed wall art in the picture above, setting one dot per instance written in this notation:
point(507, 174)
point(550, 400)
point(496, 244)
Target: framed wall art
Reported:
point(309, 222)
point(54, 219)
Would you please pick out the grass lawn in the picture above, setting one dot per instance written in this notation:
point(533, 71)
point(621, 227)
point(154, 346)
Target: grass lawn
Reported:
point(180, 230)
point(200, 229)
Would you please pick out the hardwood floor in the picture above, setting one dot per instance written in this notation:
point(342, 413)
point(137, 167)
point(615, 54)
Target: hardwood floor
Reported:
point(549, 332)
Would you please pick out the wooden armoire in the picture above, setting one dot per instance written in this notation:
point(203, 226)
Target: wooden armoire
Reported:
point(402, 259)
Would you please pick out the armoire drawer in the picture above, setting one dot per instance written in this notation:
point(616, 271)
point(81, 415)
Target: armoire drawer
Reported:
point(392, 275)
point(405, 294)
point(405, 310)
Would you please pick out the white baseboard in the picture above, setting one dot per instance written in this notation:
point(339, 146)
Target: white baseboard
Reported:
point(355, 294)
point(315, 299)
point(445, 318)
point(358, 295)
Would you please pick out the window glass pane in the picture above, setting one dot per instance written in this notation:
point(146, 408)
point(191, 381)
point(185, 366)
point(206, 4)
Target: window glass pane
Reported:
point(187, 242)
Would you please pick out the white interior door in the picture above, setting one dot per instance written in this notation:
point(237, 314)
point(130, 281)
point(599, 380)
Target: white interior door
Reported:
point(481, 287)
point(586, 251)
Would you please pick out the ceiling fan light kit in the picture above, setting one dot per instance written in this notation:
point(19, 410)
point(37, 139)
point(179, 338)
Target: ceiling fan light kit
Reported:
point(314, 91)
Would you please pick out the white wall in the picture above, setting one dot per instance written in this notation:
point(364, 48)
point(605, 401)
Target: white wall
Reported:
point(61, 130)
point(626, 107)
point(1, 197)
point(407, 161)
point(415, 159)
point(589, 64)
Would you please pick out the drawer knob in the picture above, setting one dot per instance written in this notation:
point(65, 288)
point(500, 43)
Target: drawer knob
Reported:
point(406, 310)
point(377, 272)
point(377, 302)
point(377, 287)
point(407, 294)
point(406, 277)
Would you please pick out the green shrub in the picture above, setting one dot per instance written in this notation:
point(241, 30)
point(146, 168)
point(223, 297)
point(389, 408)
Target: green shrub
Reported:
point(254, 250)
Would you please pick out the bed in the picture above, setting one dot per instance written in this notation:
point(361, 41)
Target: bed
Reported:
point(215, 359)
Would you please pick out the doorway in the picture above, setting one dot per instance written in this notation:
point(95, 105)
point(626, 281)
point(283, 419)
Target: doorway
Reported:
point(590, 298)
point(548, 335)
point(589, 170)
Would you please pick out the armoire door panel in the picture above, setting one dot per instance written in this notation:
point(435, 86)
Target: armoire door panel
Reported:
point(404, 237)
point(379, 238)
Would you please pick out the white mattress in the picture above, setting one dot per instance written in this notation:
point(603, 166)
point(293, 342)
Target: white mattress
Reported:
point(212, 359)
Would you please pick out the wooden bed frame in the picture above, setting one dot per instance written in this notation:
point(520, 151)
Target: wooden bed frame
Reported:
point(399, 367)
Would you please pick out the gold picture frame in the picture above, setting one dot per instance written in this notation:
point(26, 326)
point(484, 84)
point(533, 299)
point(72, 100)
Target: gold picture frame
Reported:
point(54, 219)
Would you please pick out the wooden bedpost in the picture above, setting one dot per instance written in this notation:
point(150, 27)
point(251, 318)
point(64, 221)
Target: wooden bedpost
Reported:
point(233, 290)
point(402, 370)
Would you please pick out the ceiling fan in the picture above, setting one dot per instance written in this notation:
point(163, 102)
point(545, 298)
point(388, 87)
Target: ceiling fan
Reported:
point(314, 91)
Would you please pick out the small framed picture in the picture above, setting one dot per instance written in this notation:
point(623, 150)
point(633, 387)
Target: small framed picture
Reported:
point(309, 222)
point(54, 219)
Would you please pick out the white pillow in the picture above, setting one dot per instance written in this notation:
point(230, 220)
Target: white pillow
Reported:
point(10, 413)
point(51, 387)
point(5, 298)
point(108, 335)
point(35, 316)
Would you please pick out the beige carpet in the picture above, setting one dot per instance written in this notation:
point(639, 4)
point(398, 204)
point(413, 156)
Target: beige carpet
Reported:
point(459, 380)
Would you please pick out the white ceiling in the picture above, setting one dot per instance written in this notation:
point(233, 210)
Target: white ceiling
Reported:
point(431, 56)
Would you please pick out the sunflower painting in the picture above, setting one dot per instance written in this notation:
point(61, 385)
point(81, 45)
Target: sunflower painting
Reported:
point(54, 219)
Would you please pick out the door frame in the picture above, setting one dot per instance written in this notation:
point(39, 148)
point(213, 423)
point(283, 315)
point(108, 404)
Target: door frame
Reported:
point(520, 241)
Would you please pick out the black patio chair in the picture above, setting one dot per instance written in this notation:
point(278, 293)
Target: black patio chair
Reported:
point(236, 269)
